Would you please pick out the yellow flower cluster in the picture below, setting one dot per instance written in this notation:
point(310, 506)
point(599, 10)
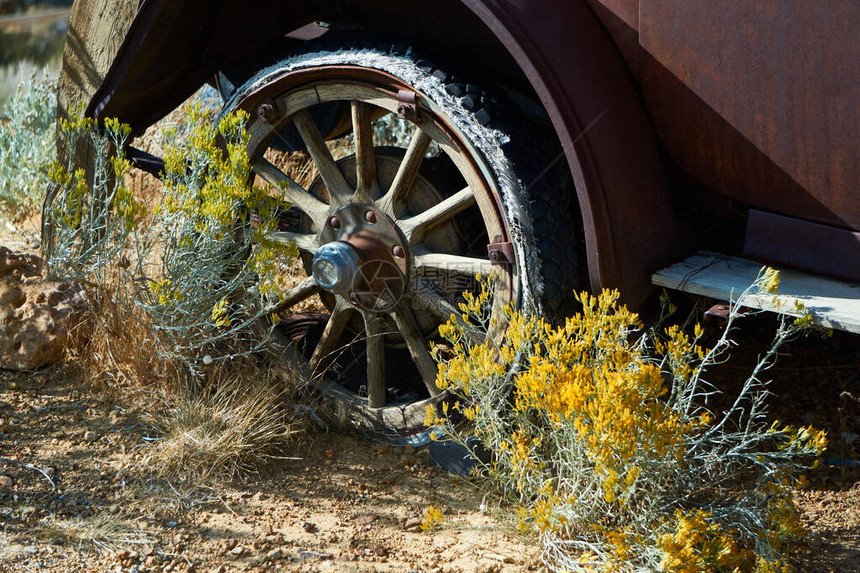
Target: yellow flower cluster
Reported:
point(800, 438)
point(433, 518)
point(225, 194)
point(587, 434)
point(165, 292)
point(698, 544)
point(585, 373)
point(681, 351)
point(75, 186)
point(219, 314)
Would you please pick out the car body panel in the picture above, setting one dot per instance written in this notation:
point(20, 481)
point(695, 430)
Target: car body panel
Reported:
point(757, 101)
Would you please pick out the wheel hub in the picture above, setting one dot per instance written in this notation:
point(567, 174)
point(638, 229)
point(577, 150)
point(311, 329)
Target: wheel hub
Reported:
point(364, 257)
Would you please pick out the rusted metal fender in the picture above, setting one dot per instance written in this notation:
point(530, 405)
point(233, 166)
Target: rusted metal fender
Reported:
point(562, 48)
point(592, 100)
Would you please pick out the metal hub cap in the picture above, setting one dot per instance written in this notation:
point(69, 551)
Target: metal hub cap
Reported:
point(335, 267)
point(363, 257)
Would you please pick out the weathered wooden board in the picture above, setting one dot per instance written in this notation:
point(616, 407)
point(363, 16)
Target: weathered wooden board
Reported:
point(832, 303)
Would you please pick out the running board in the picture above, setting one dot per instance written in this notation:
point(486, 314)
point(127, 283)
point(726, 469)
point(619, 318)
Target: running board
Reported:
point(832, 303)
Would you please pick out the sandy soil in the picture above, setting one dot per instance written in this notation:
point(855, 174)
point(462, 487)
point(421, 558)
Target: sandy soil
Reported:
point(69, 483)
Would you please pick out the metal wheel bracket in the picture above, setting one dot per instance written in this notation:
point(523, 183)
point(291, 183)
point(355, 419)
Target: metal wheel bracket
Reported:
point(406, 105)
point(500, 252)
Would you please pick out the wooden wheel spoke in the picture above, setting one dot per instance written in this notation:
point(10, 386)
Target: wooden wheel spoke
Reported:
point(331, 335)
point(297, 293)
point(292, 191)
point(415, 227)
point(374, 326)
point(335, 182)
point(426, 296)
point(405, 319)
point(365, 159)
point(309, 243)
point(406, 173)
point(446, 263)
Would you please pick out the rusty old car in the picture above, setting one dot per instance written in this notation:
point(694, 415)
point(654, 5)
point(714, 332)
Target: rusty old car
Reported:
point(562, 144)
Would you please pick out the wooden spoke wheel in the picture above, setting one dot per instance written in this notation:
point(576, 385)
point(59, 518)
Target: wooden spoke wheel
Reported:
point(389, 235)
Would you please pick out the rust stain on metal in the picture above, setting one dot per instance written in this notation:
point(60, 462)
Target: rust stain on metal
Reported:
point(760, 100)
point(718, 313)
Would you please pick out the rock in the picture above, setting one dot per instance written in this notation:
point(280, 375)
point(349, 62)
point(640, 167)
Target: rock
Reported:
point(237, 551)
point(319, 556)
point(412, 523)
point(365, 519)
point(90, 436)
point(11, 296)
point(309, 527)
point(275, 554)
point(36, 315)
point(20, 265)
point(6, 482)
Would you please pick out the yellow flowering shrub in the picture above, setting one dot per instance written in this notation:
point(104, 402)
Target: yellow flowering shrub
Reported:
point(601, 439)
point(197, 267)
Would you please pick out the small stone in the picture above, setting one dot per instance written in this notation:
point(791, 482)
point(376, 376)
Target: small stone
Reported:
point(309, 527)
point(365, 519)
point(90, 436)
point(6, 482)
point(237, 551)
point(275, 554)
point(412, 523)
point(315, 555)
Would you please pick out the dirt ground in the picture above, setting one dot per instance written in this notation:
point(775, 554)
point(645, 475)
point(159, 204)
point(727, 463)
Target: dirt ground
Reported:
point(73, 499)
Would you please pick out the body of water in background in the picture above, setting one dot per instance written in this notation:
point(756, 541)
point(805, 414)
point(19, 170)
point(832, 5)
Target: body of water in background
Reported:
point(30, 42)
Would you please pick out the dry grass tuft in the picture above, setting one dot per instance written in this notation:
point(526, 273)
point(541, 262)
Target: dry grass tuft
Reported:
point(232, 426)
point(102, 532)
